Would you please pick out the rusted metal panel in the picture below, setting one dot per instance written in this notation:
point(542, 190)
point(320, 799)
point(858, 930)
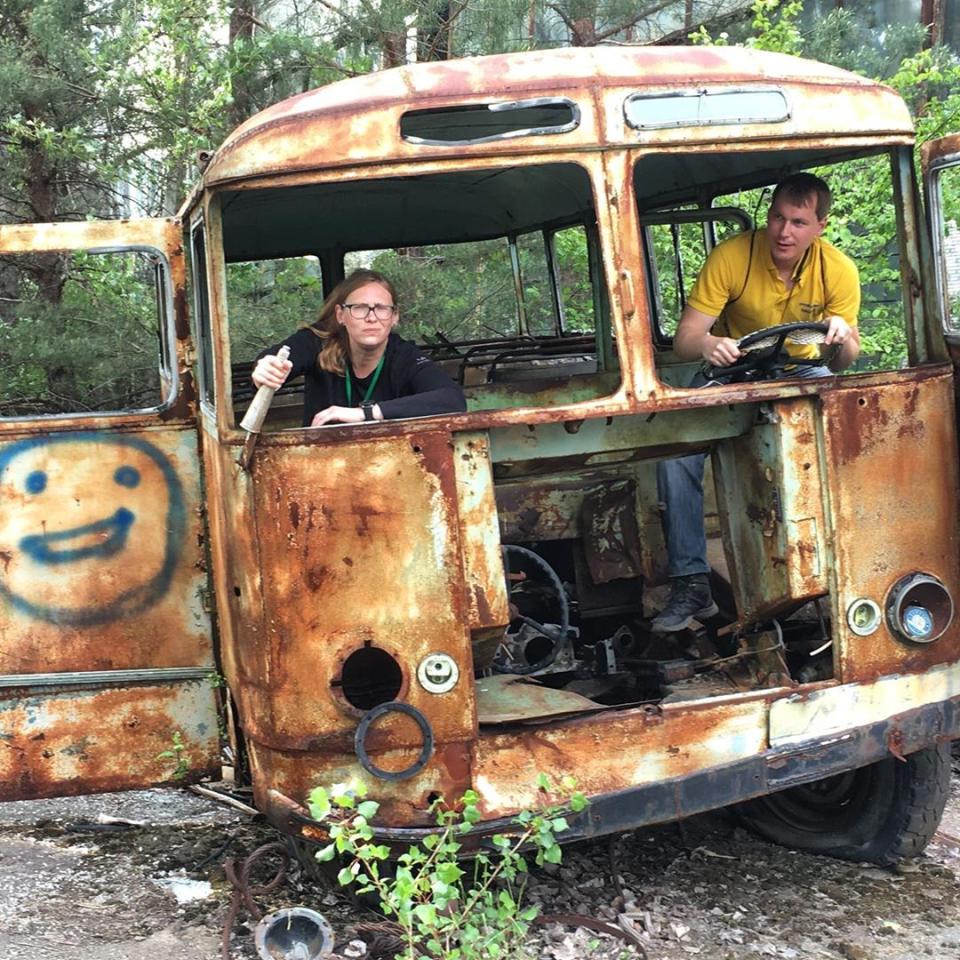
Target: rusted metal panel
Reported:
point(360, 550)
point(651, 746)
point(540, 509)
point(162, 234)
point(282, 778)
point(356, 121)
point(883, 447)
point(56, 742)
point(940, 149)
point(101, 559)
point(834, 710)
point(503, 699)
point(769, 485)
point(596, 442)
point(483, 574)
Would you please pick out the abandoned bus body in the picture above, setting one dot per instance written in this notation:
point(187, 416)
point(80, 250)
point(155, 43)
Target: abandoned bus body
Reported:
point(462, 601)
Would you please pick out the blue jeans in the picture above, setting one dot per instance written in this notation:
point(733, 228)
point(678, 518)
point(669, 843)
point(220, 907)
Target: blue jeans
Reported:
point(680, 490)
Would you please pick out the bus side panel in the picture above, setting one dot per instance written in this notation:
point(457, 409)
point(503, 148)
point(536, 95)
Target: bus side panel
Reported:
point(362, 579)
point(891, 454)
point(105, 644)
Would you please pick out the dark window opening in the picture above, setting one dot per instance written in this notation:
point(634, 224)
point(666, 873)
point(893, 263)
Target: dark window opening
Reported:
point(489, 121)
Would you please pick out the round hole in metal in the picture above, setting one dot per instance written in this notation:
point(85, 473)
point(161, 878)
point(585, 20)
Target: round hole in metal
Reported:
point(370, 677)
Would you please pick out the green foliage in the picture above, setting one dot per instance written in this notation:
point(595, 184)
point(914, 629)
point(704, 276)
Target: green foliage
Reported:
point(849, 40)
point(465, 291)
point(446, 906)
point(930, 83)
point(177, 752)
point(93, 347)
point(776, 26)
point(267, 300)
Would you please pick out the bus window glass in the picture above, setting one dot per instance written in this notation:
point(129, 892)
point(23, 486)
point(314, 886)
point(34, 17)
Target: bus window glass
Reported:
point(79, 333)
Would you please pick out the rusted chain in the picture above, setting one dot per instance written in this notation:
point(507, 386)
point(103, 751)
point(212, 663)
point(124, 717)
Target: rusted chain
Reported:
point(244, 893)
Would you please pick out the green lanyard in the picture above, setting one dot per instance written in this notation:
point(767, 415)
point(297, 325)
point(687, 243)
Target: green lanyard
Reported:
point(370, 386)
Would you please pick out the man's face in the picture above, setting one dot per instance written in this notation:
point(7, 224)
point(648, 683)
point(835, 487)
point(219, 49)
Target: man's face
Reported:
point(791, 229)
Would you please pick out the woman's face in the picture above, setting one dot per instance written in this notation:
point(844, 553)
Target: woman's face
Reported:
point(366, 328)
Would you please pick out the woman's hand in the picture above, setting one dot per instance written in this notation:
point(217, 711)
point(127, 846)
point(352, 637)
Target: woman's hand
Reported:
point(271, 372)
point(337, 415)
point(344, 415)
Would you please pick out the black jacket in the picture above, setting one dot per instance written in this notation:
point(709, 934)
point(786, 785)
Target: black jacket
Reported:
point(410, 385)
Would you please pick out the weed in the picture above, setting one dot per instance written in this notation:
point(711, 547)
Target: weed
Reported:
point(177, 752)
point(446, 905)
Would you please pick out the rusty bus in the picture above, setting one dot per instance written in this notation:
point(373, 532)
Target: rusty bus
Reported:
point(358, 587)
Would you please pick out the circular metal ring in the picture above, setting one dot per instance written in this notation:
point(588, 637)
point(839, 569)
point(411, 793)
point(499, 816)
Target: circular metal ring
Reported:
point(382, 709)
point(293, 932)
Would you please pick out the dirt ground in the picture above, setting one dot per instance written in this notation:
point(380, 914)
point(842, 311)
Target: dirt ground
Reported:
point(72, 885)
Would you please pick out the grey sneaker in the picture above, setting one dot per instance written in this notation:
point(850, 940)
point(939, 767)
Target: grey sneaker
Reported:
point(690, 600)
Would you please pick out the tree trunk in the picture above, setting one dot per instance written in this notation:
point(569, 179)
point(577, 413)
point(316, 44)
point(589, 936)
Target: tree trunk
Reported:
point(242, 18)
point(583, 32)
point(47, 268)
point(933, 17)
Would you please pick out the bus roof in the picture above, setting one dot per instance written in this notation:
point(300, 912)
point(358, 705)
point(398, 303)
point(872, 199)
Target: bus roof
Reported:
point(358, 121)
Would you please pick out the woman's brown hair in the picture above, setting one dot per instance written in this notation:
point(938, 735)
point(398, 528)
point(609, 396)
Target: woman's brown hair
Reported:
point(335, 352)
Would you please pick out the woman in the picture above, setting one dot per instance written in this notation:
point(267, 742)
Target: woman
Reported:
point(355, 367)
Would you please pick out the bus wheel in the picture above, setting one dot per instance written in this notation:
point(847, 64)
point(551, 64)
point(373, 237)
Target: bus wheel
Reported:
point(880, 813)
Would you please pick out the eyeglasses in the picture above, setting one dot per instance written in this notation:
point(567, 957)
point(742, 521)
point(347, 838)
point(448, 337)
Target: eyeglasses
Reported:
point(360, 311)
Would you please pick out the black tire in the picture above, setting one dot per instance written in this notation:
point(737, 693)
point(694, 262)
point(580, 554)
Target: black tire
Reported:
point(880, 813)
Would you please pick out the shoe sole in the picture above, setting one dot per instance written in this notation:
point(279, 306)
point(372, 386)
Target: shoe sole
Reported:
point(700, 615)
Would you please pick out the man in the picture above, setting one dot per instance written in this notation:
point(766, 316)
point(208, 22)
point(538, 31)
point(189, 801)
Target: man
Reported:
point(784, 274)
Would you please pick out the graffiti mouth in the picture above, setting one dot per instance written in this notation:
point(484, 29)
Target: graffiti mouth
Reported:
point(101, 539)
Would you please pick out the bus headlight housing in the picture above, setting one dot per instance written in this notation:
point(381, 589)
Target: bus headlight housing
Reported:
point(919, 608)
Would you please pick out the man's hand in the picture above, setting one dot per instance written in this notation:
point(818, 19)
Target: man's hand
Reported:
point(720, 351)
point(847, 340)
point(271, 372)
point(839, 333)
point(694, 341)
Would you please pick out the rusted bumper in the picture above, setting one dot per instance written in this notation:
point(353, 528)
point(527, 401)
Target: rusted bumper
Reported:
point(677, 798)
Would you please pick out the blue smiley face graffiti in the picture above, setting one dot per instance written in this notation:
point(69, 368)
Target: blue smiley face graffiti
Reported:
point(91, 527)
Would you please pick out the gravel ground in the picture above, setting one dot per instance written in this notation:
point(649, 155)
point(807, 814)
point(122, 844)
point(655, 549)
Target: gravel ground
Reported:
point(72, 885)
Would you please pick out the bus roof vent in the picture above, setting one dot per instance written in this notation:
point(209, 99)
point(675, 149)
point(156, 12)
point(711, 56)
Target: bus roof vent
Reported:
point(483, 122)
point(696, 108)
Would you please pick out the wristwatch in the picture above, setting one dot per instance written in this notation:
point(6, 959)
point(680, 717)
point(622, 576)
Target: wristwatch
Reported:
point(367, 409)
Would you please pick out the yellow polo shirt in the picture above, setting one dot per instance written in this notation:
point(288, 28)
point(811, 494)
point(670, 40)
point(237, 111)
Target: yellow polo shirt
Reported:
point(745, 300)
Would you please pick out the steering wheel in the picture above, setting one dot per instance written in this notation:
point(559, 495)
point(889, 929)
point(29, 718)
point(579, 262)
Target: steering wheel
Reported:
point(503, 664)
point(766, 356)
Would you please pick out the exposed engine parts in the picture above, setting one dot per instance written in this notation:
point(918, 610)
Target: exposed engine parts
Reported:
point(612, 657)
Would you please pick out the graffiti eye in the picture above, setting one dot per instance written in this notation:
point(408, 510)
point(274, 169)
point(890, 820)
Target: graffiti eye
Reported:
point(36, 481)
point(127, 476)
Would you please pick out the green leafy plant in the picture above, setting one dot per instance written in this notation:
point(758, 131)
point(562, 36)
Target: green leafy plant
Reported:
point(178, 753)
point(446, 905)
